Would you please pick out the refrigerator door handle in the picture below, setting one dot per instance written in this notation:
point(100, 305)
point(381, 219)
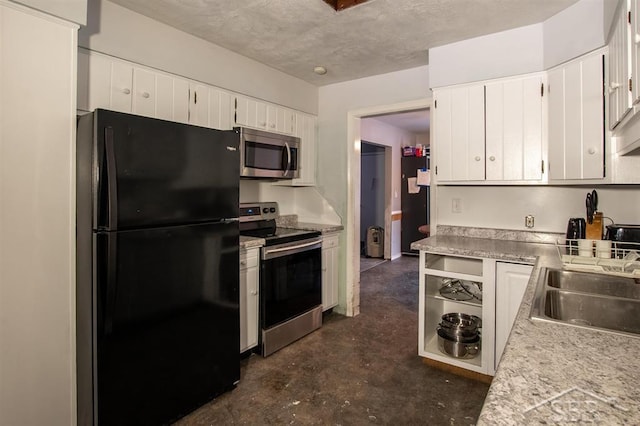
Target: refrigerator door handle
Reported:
point(112, 182)
point(111, 282)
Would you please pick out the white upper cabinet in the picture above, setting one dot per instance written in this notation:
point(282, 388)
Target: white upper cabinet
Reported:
point(576, 118)
point(620, 73)
point(459, 132)
point(306, 128)
point(144, 92)
point(254, 113)
point(104, 83)
point(198, 104)
point(172, 98)
point(635, 49)
point(111, 83)
point(490, 131)
point(514, 129)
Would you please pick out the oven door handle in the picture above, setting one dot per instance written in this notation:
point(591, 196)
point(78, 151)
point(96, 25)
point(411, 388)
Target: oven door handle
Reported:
point(269, 253)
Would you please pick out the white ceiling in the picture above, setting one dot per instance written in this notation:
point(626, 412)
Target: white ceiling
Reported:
point(372, 38)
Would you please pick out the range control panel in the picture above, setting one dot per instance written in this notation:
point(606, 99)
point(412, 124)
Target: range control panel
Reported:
point(258, 211)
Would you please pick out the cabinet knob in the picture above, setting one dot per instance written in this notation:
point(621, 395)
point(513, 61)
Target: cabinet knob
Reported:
point(492, 158)
point(254, 293)
point(636, 38)
point(477, 158)
point(243, 263)
point(145, 95)
point(126, 91)
point(273, 126)
point(591, 151)
point(613, 86)
point(263, 124)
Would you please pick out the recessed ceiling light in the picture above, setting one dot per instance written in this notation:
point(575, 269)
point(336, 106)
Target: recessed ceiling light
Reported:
point(320, 70)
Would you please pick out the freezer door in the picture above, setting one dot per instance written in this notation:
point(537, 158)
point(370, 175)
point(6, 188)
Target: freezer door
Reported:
point(153, 172)
point(167, 321)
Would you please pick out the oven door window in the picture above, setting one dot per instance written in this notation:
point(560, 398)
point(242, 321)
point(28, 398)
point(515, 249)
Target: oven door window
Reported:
point(290, 285)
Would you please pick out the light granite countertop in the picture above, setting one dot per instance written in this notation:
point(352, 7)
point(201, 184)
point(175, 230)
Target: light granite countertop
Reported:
point(290, 221)
point(250, 242)
point(551, 373)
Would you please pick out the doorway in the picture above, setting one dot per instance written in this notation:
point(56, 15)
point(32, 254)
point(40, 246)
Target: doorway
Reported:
point(353, 238)
point(373, 200)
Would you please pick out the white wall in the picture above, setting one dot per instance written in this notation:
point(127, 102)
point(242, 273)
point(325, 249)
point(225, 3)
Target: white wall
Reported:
point(71, 10)
point(502, 54)
point(562, 40)
point(117, 31)
point(576, 30)
point(504, 207)
point(37, 218)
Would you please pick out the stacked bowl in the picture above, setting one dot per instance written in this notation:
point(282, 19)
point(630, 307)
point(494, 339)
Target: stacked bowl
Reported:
point(459, 335)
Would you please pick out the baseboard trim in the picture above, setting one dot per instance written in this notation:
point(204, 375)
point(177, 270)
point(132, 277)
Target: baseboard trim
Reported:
point(463, 372)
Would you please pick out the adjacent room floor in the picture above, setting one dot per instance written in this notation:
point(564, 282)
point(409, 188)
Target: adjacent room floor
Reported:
point(352, 371)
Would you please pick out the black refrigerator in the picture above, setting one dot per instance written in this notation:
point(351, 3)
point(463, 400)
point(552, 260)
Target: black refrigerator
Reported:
point(157, 268)
point(415, 206)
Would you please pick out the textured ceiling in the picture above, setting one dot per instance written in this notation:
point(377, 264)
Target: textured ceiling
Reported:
point(375, 37)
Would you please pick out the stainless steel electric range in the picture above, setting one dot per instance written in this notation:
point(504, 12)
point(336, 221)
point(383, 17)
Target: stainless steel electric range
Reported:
point(290, 277)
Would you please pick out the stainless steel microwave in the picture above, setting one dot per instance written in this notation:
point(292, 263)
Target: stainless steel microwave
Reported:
point(268, 155)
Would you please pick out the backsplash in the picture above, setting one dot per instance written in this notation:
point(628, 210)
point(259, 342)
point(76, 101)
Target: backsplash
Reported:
point(500, 234)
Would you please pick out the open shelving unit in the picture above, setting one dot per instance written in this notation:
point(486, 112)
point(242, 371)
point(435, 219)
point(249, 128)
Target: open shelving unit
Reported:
point(435, 271)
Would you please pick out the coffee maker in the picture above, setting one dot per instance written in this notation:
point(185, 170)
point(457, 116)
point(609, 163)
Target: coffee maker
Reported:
point(576, 228)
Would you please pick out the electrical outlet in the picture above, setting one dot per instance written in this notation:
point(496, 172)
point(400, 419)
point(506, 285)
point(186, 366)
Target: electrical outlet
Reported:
point(456, 205)
point(529, 221)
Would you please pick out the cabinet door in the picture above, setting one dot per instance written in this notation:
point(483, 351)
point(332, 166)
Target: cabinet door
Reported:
point(219, 109)
point(272, 118)
point(576, 120)
point(459, 133)
point(172, 98)
point(121, 86)
point(330, 249)
point(619, 94)
point(249, 113)
point(144, 92)
point(511, 283)
point(635, 50)
point(514, 129)
point(109, 84)
point(248, 299)
point(199, 104)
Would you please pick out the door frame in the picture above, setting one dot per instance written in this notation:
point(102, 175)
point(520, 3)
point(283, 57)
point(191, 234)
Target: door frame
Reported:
point(353, 192)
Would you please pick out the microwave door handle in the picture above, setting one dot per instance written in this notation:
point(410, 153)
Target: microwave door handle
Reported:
point(286, 169)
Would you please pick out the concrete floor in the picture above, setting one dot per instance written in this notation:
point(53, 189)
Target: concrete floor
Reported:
point(352, 371)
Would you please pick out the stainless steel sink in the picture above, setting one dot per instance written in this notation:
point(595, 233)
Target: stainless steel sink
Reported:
point(607, 285)
point(591, 300)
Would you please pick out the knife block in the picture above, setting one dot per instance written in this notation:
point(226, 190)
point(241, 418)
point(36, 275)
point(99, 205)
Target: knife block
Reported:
point(594, 229)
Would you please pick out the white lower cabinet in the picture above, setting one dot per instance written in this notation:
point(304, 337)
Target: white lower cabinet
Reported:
point(330, 252)
point(249, 298)
point(435, 271)
point(502, 287)
point(511, 283)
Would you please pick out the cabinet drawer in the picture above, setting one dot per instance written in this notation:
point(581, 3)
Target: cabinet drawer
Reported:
point(330, 241)
point(248, 259)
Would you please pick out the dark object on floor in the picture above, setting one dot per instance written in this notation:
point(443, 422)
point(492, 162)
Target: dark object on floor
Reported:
point(353, 371)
